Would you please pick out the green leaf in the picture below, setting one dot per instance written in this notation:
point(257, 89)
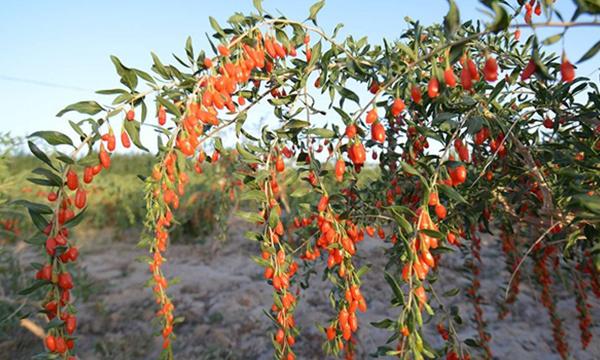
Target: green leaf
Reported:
point(133, 129)
point(53, 137)
point(38, 153)
point(472, 343)
point(35, 207)
point(296, 124)
point(316, 55)
point(385, 324)
point(36, 285)
point(249, 216)
point(314, 10)
point(189, 50)
point(144, 75)
point(83, 107)
point(273, 219)
point(432, 233)
point(588, 6)
point(474, 124)
point(50, 175)
point(451, 292)
point(348, 94)
point(255, 195)
point(452, 19)
point(300, 192)
point(159, 68)
point(591, 203)
point(552, 39)
point(590, 53)
point(75, 220)
point(215, 25)
point(501, 20)
point(452, 193)
point(38, 220)
point(128, 76)
point(169, 106)
point(401, 220)
point(246, 155)
point(403, 47)
point(37, 239)
point(395, 287)
point(112, 92)
point(496, 90)
point(322, 132)
point(258, 6)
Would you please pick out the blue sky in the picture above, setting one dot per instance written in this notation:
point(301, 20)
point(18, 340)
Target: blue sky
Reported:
point(55, 53)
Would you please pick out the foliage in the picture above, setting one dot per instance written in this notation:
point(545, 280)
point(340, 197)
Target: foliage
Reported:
point(511, 143)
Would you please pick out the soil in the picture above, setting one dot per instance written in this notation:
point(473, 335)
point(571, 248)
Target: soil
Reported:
point(221, 295)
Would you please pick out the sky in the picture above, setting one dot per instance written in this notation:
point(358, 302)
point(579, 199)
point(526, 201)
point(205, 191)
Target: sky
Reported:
point(55, 53)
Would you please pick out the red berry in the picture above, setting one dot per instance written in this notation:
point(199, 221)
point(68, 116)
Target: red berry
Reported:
point(351, 131)
point(449, 77)
point(50, 343)
point(529, 70)
point(130, 115)
point(72, 180)
point(125, 139)
point(80, 198)
point(433, 88)
point(65, 281)
point(415, 94)
point(567, 71)
point(397, 107)
point(378, 132)
point(490, 69)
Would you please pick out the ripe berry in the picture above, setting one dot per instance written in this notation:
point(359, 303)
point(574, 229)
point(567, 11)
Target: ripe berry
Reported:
point(223, 50)
point(465, 79)
point(72, 181)
point(449, 77)
point(125, 139)
point(50, 343)
point(529, 70)
point(458, 175)
point(357, 153)
point(415, 94)
point(88, 175)
point(397, 107)
point(80, 198)
point(65, 281)
point(45, 273)
point(162, 115)
point(350, 131)
point(372, 116)
point(130, 115)
point(279, 164)
point(323, 203)
point(490, 69)
point(378, 132)
point(433, 88)
point(567, 71)
point(340, 169)
point(104, 157)
point(440, 211)
point(61, 345)
point(473, 69)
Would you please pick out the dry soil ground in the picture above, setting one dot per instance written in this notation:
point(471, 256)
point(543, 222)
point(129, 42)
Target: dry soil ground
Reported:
point(222, 295)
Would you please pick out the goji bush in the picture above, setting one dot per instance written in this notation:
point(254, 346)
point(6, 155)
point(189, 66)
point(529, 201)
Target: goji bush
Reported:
point(473, 130)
